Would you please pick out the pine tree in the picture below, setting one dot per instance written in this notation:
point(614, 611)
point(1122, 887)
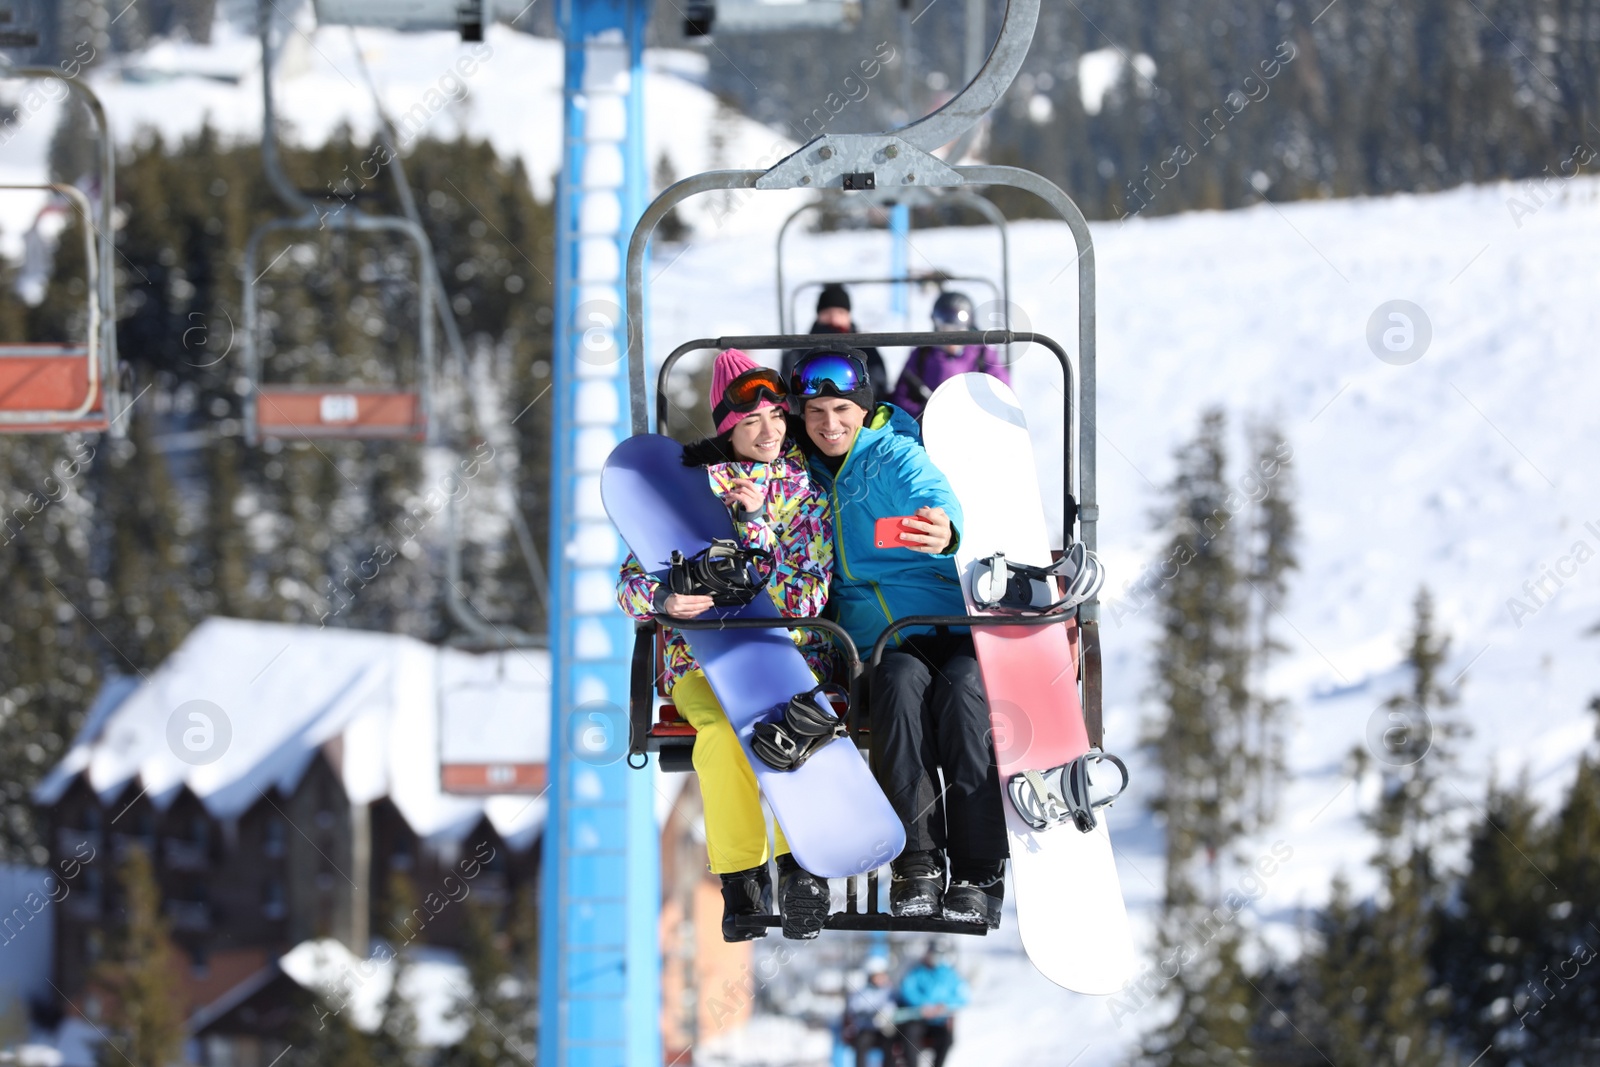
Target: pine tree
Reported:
point(1561, 989)
point(1202, 665)
point(1203, 747)
point(496, 1007)
point(1385, 949)
point(395, 1041)
point(1491, 945)
point(145, 1017)
point(1272, 555)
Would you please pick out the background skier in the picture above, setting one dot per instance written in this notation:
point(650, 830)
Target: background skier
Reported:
point(869, 1015)
point(928, 711)
point(833, 316)
point(929, 366)
point(761, 476)
point(934, 990)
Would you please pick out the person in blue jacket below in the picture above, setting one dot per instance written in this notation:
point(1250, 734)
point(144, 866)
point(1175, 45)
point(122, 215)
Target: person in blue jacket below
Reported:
point(934, 990)
point(930, 366)
point(928, 710)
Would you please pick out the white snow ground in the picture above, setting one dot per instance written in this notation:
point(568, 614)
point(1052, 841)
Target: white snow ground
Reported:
point(1468, 470)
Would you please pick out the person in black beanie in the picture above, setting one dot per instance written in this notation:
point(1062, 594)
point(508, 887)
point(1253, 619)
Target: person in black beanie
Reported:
point(833, 316)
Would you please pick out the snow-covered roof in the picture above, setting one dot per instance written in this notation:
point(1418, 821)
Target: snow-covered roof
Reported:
point(434, 983)
point(242, 707)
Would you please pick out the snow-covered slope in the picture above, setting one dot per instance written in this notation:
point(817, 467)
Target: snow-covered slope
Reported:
point(1467, 470)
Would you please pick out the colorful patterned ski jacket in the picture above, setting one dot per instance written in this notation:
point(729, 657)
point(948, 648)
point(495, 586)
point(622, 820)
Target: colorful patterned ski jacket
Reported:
point(797, 527)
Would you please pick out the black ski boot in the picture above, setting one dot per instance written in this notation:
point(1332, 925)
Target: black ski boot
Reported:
point(917, 885)
point(745, 893)
point(803, 899)
point(976, 893)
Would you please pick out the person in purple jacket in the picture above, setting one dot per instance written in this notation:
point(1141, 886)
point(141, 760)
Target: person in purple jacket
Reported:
point(930, 366)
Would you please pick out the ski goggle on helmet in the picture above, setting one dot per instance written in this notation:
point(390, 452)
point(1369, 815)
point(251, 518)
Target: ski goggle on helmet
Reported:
point(825, 372)
point(745, 393)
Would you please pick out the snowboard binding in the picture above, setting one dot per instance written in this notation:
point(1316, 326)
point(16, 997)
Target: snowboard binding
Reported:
point(724, 571)
point(808, 723)
point(1017, 588)
point(1061, 794)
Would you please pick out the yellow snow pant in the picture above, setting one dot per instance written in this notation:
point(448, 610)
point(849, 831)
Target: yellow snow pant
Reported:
point(736, 830)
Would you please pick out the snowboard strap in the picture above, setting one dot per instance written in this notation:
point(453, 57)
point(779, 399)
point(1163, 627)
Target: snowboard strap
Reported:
point(723, 570)
point(808, 723)
point(1003, 586)
point(1061, 794)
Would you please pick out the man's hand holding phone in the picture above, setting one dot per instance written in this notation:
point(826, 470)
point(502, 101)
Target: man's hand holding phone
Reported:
point(926, 531)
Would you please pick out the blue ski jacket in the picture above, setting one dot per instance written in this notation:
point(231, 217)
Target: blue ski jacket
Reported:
point(940, 984)
point(886, 473)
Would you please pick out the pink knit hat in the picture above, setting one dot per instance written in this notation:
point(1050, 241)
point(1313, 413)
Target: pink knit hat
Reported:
point(730, 364)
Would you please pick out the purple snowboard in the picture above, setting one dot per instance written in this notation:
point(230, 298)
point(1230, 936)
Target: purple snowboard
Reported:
point(833, 812)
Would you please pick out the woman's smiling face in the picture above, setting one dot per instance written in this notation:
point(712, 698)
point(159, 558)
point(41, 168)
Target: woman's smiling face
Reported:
point(758, 437)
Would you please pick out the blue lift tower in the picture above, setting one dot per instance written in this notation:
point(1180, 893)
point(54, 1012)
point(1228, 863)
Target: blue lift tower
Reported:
point(600, 996)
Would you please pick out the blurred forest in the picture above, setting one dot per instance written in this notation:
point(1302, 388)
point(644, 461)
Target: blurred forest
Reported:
point(114, 549)
point(1285, 99)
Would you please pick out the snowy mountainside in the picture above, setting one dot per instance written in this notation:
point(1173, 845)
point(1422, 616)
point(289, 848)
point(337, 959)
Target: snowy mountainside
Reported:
point(1465, 470)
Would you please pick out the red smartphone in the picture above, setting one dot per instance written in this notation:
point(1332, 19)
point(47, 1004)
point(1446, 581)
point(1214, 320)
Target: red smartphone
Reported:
point(886, 532)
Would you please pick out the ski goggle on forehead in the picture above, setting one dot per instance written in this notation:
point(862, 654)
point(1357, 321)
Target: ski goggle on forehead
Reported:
point(825, 373)
point(745, 393)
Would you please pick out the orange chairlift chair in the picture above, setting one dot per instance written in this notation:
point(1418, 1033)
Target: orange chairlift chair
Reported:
point(338, 410)
point(54, 387)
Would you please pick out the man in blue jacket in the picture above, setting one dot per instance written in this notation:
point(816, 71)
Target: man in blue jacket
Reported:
point(934, 990)
point(928, 708)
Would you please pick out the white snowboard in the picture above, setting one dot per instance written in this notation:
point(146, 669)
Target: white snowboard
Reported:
point(1070, 911)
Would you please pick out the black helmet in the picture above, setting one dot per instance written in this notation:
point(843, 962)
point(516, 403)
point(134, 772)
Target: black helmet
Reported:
point(954, 311)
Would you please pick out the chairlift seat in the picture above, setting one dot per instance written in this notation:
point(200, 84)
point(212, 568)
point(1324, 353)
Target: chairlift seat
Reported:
point(348, 412)
point(48, 388)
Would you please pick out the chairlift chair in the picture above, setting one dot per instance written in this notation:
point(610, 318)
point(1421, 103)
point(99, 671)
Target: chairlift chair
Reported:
point(900, 159)
point(349, 411)
point(57, 387)
point(54, 387)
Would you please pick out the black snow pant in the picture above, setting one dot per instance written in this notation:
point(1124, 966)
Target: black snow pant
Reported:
point(928, 1035)
point(929, 713)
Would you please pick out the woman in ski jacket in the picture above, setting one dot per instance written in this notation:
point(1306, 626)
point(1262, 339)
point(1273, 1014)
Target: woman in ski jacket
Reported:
point(929, 715)
point(760, 474)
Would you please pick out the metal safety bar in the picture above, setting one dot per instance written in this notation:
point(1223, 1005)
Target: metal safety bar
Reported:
point(1071, 509)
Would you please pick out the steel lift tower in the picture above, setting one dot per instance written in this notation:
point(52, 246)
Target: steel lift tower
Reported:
point(600, 968)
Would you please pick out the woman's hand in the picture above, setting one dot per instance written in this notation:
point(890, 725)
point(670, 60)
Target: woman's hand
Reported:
point(745, 493)
point(686, 607)
point(927, 531)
